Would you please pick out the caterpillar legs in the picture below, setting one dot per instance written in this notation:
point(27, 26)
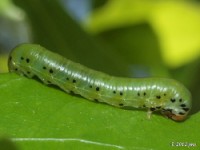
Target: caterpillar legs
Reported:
point(149, 113)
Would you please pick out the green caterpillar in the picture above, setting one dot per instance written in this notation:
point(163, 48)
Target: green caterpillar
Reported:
point(166, 95)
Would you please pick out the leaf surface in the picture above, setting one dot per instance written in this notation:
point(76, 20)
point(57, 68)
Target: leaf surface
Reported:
point(36, 116)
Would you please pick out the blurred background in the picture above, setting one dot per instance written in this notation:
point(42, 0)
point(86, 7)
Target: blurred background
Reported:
point(129, 38)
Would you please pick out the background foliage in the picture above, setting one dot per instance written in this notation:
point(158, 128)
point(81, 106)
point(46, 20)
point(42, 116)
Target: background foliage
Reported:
point(122, 38)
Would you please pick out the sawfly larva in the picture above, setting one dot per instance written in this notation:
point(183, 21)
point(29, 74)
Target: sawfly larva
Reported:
point(166, 95)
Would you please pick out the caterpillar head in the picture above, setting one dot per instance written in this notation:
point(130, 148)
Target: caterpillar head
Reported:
point(16, 57)
point(178, 107)
point(13, 66)
point(20, 59)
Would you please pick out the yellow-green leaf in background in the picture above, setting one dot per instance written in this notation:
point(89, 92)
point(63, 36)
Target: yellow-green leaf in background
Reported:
point(176, 23)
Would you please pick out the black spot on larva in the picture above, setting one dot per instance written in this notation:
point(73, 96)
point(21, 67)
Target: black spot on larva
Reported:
point(96, 100)
point(97, 88)
point(22, 58)
point(183, 105)
point(121, 104)
point(180, 100)
point(138, 94)
point(90, 86)
point(173, 100)
point(152, 109)
point(144, 106)
point(27, 60)
point(67, 78)
point(16, 69)
point(44, 67)
point(74, 81)
point(114, 92)
point(181, 113)
point(170, 110)
point(158, 97)
point(121, 93)
point(186, 109)
point(25, 75)
point(158, 107)
point(145, 93)
point(28, 72)
point(71, 92)
point(50, 71)
point(165, 94)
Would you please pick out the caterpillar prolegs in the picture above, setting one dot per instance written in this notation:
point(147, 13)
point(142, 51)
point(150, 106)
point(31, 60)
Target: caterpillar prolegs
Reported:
point(166, 95)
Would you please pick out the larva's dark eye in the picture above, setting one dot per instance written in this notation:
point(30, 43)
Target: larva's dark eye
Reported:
point(147, 93)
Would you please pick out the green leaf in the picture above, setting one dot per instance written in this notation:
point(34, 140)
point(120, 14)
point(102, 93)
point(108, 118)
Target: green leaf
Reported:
point(36, 116)
point(176, 24)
